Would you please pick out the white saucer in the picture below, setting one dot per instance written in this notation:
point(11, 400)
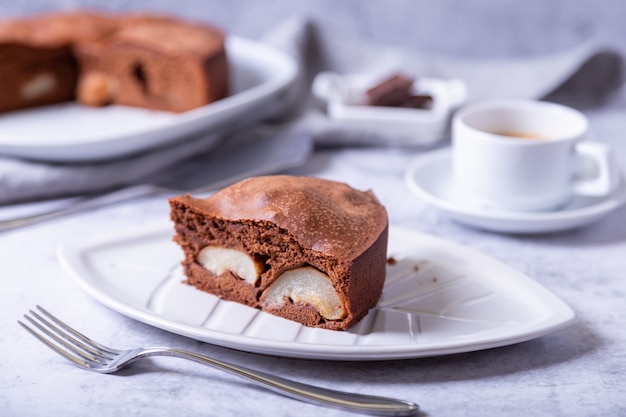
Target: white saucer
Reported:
point(430, 178)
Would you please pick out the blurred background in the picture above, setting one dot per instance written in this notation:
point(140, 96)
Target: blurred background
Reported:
point(479, 28)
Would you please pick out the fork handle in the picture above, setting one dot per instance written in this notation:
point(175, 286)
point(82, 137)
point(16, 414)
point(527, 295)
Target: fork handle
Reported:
point(366, 404)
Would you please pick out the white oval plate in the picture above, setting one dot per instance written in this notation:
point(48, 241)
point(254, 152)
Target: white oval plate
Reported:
point(72, 132)
point(439, 298)
point(430, 178)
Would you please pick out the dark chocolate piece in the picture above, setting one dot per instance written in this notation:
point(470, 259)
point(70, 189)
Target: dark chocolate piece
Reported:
point(418, 101)
point(391, 92)
point(397, 91)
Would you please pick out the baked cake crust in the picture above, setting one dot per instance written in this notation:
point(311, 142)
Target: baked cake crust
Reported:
point(288, 223)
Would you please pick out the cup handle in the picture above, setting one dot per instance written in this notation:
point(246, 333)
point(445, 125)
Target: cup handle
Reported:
point(598, 174)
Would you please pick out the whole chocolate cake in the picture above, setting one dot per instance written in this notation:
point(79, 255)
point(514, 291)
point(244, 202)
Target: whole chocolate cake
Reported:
point(151, 61)
point(37, 62)
point(306, 249)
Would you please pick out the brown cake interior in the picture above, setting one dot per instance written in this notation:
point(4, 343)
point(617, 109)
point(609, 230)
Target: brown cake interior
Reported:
point(286, 224)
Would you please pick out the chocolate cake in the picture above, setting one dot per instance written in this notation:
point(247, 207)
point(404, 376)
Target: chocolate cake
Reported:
point(306, 249)
point(37, 62)
point(156, 63)
point(151, 61)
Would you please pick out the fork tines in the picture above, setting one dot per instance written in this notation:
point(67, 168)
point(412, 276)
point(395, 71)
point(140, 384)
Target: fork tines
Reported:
point(64, 340)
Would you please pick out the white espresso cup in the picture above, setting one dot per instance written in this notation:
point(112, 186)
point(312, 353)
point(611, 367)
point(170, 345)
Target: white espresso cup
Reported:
point(526, 155)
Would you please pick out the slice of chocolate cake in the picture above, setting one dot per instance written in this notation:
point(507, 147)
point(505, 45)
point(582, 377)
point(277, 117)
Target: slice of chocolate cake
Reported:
point(306, 249)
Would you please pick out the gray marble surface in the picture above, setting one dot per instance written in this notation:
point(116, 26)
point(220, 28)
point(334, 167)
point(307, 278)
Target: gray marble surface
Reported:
point(579, 371)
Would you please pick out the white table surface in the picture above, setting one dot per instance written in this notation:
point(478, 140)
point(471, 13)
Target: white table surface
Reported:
point(579, 371)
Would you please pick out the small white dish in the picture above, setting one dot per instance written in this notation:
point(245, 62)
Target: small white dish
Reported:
point(430, 178)
point(70, 132)
point(344, 96)
point(439, 298)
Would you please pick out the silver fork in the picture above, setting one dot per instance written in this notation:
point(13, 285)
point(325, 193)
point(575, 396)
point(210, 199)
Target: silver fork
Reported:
point(93, 356)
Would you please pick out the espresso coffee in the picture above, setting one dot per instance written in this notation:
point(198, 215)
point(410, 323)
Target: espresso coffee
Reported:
point(520, 135)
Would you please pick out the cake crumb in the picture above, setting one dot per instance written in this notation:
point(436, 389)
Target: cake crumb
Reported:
point(391, 260)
